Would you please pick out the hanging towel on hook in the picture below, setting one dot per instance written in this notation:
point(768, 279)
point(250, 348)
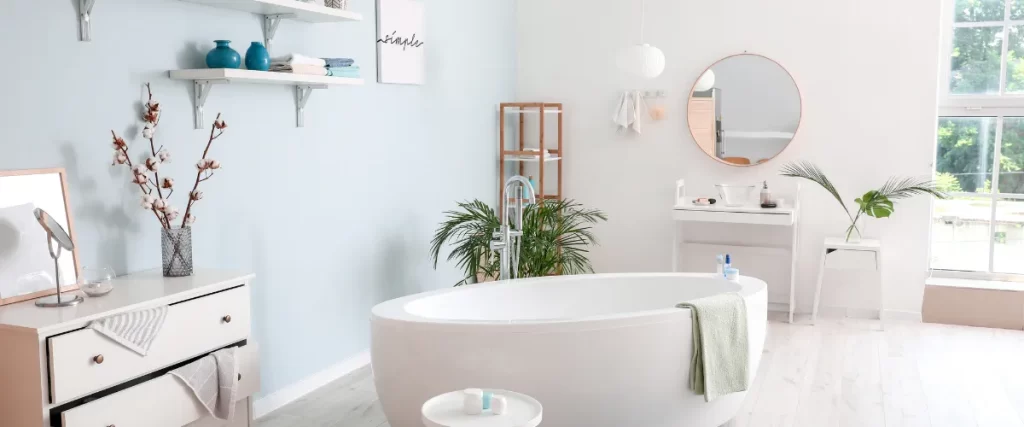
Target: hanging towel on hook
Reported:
point(628, 114)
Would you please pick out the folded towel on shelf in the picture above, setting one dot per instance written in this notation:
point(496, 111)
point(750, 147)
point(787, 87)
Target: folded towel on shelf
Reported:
point(297, 59)
point(350, 72)
point(214, 382)
point(721, 353)
point(135, 330)
point(339, 62)
point(299, 69)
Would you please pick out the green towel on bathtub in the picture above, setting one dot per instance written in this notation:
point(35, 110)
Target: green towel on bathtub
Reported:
point(720, 362)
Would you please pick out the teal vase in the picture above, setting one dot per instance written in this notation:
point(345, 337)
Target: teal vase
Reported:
point(223, 56)
point(257, 57)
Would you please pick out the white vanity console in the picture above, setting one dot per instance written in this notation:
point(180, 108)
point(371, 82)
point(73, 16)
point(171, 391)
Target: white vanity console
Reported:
point(54, 371)
point(786, 215)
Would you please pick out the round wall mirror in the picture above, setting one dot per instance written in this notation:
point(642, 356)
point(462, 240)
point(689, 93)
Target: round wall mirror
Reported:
point(744, 110)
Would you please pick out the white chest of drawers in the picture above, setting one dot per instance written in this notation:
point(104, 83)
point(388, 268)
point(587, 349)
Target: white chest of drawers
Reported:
point(56, 372)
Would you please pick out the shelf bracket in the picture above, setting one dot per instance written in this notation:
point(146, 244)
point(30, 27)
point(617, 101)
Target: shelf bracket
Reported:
point(302, 94)
point(270, 23)
point(85, 19)
point(201, 91)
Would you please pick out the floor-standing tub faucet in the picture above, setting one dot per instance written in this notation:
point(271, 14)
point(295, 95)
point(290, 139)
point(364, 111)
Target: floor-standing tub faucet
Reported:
point(507, 239)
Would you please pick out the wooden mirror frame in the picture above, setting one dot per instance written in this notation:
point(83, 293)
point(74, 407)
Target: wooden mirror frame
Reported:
point(70, 230)
point(800, 118)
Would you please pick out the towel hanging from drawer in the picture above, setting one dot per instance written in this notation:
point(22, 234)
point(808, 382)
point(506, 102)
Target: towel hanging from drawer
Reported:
point(214, 381)
point(135, 330)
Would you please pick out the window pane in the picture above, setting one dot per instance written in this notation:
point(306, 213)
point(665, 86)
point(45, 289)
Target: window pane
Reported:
point(965, 152)
point(975, 60)
point(1011, 163)
point(1017, 10)
point(979, 10)
point(1009, 248)
point(960, 234)
point(1015, 60)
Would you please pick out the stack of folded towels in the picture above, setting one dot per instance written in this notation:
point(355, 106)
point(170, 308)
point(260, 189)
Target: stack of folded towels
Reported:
point(301, 64)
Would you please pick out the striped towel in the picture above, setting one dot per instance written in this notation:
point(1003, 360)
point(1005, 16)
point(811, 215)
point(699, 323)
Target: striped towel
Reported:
point(338, 62)
point(135, 330)
point(214, 381)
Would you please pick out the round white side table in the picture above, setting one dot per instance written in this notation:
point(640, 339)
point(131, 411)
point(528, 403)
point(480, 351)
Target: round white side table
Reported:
point(446, 411)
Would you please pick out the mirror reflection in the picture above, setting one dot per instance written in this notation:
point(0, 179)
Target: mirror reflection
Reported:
point(744, 110)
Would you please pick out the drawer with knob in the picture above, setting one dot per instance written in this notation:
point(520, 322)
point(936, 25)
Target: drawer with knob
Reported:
point(164, 402)
point(84, 361)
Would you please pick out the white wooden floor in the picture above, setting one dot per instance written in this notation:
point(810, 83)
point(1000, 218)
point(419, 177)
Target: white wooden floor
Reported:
point(839, 373)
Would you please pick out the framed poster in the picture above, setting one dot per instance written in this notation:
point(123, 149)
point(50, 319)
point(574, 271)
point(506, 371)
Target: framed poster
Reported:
point(400, 42)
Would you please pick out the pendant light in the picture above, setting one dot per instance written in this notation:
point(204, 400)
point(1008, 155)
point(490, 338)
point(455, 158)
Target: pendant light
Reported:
point(644, 60)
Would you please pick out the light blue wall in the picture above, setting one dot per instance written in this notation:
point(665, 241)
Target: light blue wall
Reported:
point(333, 218)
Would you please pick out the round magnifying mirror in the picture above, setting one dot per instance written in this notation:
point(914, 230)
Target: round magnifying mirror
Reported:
point(744, 110)
point(54, 229)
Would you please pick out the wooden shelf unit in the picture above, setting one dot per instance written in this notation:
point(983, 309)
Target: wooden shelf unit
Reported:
point(518, 112)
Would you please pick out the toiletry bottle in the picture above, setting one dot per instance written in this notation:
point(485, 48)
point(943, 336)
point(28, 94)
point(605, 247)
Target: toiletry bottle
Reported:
point(720, 269)
point(766, 195)
point(728, 263)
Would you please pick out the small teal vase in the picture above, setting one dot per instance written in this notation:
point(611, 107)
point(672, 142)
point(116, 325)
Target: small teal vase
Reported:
point(257, 57)
point(223, 56)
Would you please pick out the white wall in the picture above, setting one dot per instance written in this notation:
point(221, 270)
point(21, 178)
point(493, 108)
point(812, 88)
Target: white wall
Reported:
point(867, 72)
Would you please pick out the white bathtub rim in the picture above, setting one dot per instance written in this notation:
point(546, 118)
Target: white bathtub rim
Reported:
point(394, 312)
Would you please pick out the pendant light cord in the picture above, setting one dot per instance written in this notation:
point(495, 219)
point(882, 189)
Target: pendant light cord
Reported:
point(643, 19)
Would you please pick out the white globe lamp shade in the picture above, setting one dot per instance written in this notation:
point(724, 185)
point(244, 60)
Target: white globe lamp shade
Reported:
point(643, 60)
point(706, 82)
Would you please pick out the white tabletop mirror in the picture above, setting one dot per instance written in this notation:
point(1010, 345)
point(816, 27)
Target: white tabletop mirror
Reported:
point(26, 268)
point(744, 110)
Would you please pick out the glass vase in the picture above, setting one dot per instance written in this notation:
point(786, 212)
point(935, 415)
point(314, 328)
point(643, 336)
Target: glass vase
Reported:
point(176, 244)
point(856, 234)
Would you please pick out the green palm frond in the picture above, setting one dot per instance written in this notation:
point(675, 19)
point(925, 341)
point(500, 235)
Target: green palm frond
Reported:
point(810, 171)
point(556, 235)
point(907, 187)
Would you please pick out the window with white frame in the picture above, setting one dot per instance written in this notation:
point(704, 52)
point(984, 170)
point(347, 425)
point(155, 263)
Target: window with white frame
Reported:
point(980, 153)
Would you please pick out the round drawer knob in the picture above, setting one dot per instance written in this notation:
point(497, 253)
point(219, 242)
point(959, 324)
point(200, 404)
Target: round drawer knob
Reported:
point(98, 359)
point(227, 319)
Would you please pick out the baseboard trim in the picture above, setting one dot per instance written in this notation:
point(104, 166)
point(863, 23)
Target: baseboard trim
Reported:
point(293, 392)
point(856, 313)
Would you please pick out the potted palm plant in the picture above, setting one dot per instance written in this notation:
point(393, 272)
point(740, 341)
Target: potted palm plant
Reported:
point(556, 235)
point(878, 203)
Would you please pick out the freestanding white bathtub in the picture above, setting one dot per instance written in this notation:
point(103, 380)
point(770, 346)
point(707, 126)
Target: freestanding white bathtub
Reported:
point(607, 350)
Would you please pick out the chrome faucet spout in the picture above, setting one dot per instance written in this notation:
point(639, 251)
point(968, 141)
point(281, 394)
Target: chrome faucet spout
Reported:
point(508, 237)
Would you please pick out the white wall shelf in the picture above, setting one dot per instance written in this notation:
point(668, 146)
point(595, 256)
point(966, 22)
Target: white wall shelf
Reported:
point(203, 80)
point(275, 10)
point(530, 159)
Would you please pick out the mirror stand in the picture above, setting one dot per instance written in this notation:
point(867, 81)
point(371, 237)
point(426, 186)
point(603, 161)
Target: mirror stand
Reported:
point(57, 300)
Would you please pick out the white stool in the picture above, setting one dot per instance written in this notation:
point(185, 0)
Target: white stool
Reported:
point(446, 410)
point(838, 254)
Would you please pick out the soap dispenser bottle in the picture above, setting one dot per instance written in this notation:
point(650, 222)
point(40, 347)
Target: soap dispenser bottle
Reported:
point(766, 195)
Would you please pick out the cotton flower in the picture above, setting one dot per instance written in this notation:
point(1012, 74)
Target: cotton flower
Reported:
point(164, 155)
point(171, 213)
point(168, 183)
point(139, 170)
point(120, 158)
point(153, 105)
point(147, 132)
point(213, 164)
point(220, 124)
point(140, 179)
point(196, 195)
point(119, 143)
point(153, 164)
point(201, 165)
point(160, 204)
point(147, 201)
point(190, 219)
